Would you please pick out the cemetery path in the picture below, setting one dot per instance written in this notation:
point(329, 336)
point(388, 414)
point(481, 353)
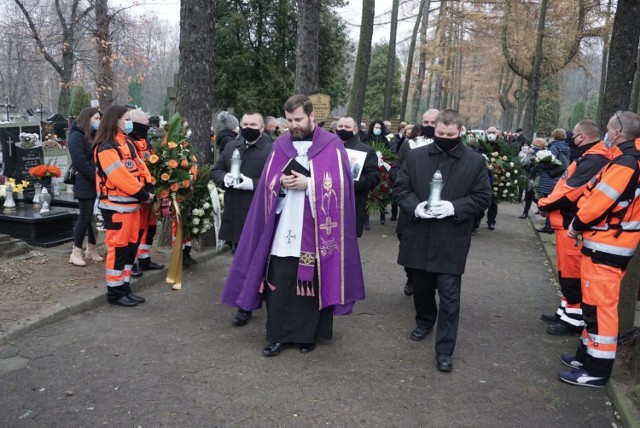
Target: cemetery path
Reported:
point(178, 361)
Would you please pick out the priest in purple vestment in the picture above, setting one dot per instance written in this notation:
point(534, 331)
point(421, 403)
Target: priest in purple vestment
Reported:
point(298, 250)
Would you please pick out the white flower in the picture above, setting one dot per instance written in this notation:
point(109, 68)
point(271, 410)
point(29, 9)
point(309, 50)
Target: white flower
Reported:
point(508, 174)
point(508, 184)
point(194, 212)
point(495, 154)
point(504, 158)
point(512, 194)
point(493, 159)
point(511, 164)
point(194, 230)
point(3, 191)
point(206, 205)
point(501, 184)
point(495, 189)
point(515, 171)
point(195, 221)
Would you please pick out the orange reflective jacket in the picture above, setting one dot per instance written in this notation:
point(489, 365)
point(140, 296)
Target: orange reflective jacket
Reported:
point(562, 203)
point(123, 179)
point(609, 212)
point(143, 147)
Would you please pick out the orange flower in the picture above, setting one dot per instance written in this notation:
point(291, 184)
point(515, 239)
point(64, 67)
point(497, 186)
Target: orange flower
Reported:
point(184, 164)
point(179, 199)
point(164, 176)
point(172, 145)
point(173, 163)
point(194, 170)
point(153, 159)
point(186, 184)
point(185, 144)
point(174, 187)
point(163, 194)
point(153, 180)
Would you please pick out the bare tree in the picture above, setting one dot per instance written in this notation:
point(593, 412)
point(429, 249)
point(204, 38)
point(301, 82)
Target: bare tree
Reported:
point(363, 57)
point(195, 87)
point(71, 31)
point(422, 65)
point(391, 58)
point(409, 68)
point(105, 54)
point(307, 48)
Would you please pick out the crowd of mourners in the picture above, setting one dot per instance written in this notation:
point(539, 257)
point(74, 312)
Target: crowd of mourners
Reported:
point(297, 198)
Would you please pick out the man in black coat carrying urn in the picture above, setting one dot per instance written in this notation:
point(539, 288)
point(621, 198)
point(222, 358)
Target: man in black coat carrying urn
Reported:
point(437, 237)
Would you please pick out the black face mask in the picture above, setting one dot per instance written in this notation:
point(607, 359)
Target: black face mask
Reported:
point(446, 144)
point(428, 131)
point(344, 134)
point(250, 134)
point(140, 130)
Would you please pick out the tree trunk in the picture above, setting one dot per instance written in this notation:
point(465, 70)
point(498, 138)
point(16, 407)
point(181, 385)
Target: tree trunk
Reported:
point(307, 47)
point(409, 69)
point(363, 58)
point(521, 96)
point(507, 78)
point(103, 40)
point(391, 60)
point(422, 66)
point(623, 51)
point(606, 36)
point(634, 106)
point(440, 49)
point(195, 86)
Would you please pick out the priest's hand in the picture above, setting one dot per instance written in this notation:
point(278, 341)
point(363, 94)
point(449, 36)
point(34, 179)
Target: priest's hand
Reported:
point(443, 209)
point(296, 181)
point(245, 184)
point(421, 211)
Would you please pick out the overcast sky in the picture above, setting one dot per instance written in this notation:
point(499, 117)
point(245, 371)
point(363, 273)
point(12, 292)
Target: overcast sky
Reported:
point(170, 10)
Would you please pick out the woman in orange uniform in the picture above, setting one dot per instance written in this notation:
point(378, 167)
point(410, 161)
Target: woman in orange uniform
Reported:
point(123, 182)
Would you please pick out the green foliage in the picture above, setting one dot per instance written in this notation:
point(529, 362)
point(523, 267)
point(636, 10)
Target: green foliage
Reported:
point(577, 115)
point(591, 108)
point(80, 98)
point(381, 195)
point(135, 93)
point(548, 115)
point(255, 54)
point(374, 95)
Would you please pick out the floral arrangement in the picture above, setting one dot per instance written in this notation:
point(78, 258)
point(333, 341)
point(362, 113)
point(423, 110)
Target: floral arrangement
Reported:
point(508, 177)
point(198, 207)
point(15, 187)
point(174, 164)
point(545, 156)
point(381, 196)
point(28, 140)
point(41, 171)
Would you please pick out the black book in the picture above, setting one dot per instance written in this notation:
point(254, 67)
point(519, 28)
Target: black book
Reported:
point(294, 165)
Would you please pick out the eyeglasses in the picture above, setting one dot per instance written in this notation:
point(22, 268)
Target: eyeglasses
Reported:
point(618, 113)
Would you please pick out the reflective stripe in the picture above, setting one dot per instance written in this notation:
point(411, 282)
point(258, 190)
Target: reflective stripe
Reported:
point(112, 167)
point(574, 322)
point(609, 249)
point(577, 311)
point(122, 198)
point(118, 208)
point(608, 190)
point(115, 283)
point(114, 272)
point(144, 247)
point(605, 340)
point(623, 204)
point(630, 225)
point(605, 355)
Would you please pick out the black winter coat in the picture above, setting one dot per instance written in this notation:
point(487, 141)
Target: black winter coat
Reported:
point(237, 202)
point(434, 245)
point(369, 179)
point(82, 157)
point(223, 137)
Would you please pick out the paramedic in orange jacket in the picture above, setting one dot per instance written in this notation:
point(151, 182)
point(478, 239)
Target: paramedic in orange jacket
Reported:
point(148, 224)
point(123, 183)
point(561, 206)
point(609, 220)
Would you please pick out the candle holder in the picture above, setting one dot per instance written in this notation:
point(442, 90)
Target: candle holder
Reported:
point(46, 200)
point(9, 203)
point(435, 191)
point(236, 162)
point(36, 195)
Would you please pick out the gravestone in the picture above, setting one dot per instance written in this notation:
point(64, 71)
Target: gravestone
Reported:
point(24, 160)
point(9, 135)
point(60, 158)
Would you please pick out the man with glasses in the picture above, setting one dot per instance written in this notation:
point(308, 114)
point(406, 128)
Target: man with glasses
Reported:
point(608, 220)
point(561, 206)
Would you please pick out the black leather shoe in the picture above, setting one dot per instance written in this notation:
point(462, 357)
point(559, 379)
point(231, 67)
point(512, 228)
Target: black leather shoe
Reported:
point(545, 230)
point(135, 298)
point(305, 348)
point(124, 301)
point(549, 319)
point(420, 333)
point(150, 265)
point(491, 226)
point(408, 289)
point(135, 271)
point(241, 318)
point(443, 362)
point(272, 350)
point(560, 329)
point(523, 216)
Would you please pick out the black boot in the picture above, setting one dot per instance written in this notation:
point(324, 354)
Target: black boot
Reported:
point(136, 272)
point(187, 260)
point(118, 296)
point(147, 264)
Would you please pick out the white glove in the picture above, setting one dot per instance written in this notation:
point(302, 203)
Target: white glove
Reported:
point(442, 210)
point(421, 210)
point(245, 184)
point(228, 180)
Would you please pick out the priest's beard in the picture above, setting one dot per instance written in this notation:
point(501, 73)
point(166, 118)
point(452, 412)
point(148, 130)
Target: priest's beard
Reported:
point(303, 129)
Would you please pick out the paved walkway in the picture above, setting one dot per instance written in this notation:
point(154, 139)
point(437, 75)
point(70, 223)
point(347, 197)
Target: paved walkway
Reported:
point(178, 361)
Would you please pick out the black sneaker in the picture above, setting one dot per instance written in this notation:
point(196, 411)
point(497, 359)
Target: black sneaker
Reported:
point(549, 319)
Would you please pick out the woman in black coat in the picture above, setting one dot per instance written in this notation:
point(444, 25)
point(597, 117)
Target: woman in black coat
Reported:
point(80, 144)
